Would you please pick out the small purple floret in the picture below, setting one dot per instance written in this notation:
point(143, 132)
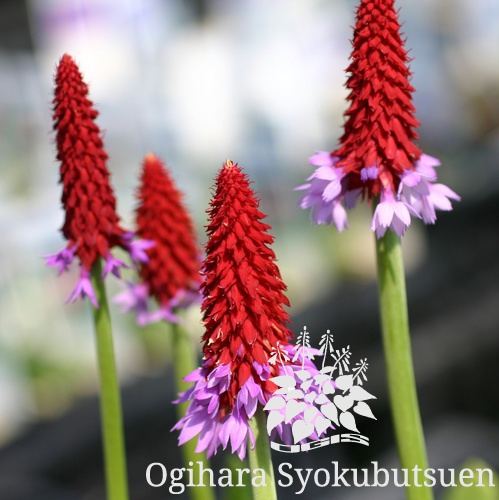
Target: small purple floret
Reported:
point(62, 259)
point(325, 192)
point(113, 265)
point(163, 313)
point(392, 214)
point(322, 159)
point(137, 248)
point(418, 189)
point(83, 289)
point(185, 298)
point(134, 299)
point(369, 173)
point(202, 418)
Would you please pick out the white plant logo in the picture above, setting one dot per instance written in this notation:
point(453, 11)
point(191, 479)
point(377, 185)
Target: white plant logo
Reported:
point(310, 402)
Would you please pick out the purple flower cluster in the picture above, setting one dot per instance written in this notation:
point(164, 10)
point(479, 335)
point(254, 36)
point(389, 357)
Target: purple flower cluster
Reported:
point(329, 194)
point(202, 417)
point(63, 259)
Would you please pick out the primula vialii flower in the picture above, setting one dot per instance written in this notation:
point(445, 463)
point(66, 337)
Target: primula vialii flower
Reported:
point(244, 318)
point(377, 156)
point(171, 273)
point(91, 224)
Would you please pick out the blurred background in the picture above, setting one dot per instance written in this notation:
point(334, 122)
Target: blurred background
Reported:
point(262, 83)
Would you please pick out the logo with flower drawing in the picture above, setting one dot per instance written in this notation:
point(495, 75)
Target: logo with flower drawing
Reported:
point(314, 408)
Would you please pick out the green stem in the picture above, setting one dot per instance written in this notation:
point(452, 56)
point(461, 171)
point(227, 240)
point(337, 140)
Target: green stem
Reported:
point(235, 464)
point(398, 359)
point(110, 400)
point(184, 362)
point(260, 458)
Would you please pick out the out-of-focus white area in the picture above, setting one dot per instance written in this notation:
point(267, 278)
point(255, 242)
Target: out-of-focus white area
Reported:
point(255, 81)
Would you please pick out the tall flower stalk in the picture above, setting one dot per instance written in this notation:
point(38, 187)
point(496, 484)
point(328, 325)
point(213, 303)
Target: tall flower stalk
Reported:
point(398, 358)
point(245, 324)
point(111, 415)
point(170, 277)
point(378, 160)
point(92, 229)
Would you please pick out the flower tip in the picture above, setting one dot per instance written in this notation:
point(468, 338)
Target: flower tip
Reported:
point(66, 58)
point(229, 164)
point(88, 200)
point(65, 62)
point(153, 164)
point(150, 157)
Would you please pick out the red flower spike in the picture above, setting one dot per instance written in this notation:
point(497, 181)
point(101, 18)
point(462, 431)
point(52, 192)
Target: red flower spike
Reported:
point(243, 292)
point(91, 224)
point(173, 264)
point(380, 126)
point(245, 322)
point(377, 155)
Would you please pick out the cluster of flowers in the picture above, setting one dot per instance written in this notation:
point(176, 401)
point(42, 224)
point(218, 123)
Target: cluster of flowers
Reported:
point(165, 251)
point(91, 225)
point(171, 273)
point(245, 322)
point(243, 293)
point(246, 325)
point(377, 157)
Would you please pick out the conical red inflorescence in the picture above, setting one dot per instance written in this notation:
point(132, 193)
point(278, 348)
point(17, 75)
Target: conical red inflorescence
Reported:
point(246, 339)
point(377, 157)
point(173, 261)
point(91, 225)
point(380, 126)
point(243, 292)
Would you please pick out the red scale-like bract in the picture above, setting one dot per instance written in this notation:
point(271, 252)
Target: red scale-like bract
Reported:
point(380, 125)
point(174, 261)
point(91, 221)
point(243, 291)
